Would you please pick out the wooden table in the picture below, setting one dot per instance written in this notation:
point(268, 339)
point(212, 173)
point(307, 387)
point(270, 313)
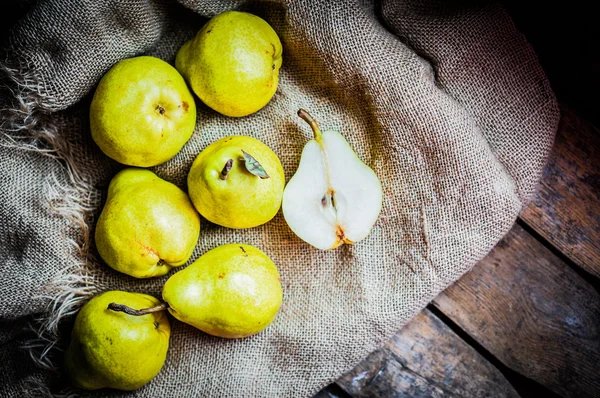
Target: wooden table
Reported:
point(526, 320)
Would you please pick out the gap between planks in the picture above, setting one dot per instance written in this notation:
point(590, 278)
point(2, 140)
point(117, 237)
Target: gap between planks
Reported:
point(533, 313)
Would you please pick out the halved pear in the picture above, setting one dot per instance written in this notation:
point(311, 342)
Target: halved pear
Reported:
point(334, 197)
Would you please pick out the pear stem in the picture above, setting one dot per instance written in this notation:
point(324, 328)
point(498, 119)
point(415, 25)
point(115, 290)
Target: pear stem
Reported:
point(225, 172)
point(312, 123)
point(143, 311)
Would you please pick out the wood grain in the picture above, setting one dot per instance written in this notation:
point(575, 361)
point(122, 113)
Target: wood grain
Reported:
point(426, 359)
point(533, 312)
point(566, 208)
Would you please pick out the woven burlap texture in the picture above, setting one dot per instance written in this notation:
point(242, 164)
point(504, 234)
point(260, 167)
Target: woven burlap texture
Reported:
point(446, 101)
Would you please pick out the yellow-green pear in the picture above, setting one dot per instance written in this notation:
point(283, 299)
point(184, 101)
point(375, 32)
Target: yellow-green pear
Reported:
point(237, 182)
point(231, 291)
point(233, 63)
point(148, 225)
point(142, 112)
point(333, 198)
point(113, 349)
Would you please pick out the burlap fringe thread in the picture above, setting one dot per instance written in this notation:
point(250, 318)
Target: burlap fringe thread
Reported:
point(25, 126)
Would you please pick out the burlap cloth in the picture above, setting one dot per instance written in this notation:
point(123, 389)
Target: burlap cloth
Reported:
point(445, 100)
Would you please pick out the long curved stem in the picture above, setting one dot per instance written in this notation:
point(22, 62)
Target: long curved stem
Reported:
point(143, 311)
point(312, 123)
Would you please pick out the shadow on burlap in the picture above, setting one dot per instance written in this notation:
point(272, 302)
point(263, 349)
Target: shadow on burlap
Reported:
point(444, 100)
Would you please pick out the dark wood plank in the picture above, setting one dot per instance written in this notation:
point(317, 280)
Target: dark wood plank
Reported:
point(426, 359)
point(566, 208)
point(383, 376)
point(533, 312)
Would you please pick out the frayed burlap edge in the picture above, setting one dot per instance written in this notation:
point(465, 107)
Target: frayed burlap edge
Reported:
point(25, 126)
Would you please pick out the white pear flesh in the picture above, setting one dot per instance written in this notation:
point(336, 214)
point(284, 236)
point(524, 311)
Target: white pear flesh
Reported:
point(334, 197)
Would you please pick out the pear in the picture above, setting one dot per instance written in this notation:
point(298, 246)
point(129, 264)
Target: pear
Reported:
point(142, 112)
point(113, 349)
point(237, 182)
point(231, 291)
point(333, 198)
point(233, 63)
point(147, 225)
